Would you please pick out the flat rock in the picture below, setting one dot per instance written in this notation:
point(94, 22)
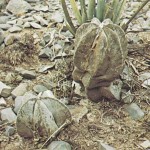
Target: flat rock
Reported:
point(39, 88)
point(146, 83)
point(145, 144)
point(5, 90)
point(18, 7)
point(28, 74)
point(45, 52)
point(35, 25)
point(10, 39)
point(20, 90)
point(2, 36)
point(42, 21)
point(12, 22)
point(4, 19)
point(2, 102)
point(103, 146)
point(9, 131)
point(57, 17)
point(144, 76)
point(8, 114)
point(135, 111)
point(59, 145)
point(27, 25)
point(5, 26)
point(15, 29)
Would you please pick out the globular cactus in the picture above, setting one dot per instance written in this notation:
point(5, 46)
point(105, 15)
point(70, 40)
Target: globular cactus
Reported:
point(100, 53)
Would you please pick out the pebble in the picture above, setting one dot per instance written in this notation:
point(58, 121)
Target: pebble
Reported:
point(4, 19)
point(144, 76)
point(2, 36)
point(3, 102)
point(59, 145)
point(28, 74)
point(5, 26)
point(135, 111)
point(145, 144)
point(35, 25)
point(8, 114)
point(9, 131)
point(5, 90)
point(20, 90)
point(15, 29)
point(57, 17)
point(45, 52)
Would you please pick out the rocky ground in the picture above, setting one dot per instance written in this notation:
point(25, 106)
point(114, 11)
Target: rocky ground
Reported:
point(36, 55)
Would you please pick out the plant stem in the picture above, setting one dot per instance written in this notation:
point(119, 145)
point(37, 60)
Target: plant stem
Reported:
point(64, 6)
point(139, 9)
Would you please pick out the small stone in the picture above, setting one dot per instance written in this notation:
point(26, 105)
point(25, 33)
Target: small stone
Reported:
point(44, 69)
point(41, 20)
point(12, 22)
point(39, 88)
point(2, 36)
point(146, 83)
point(27, 25)
point(8, 114)
point(20, 90)
point(28, 74)
point(5, 90)
point(10, 39)
point(57, 17)
point(45, 53)
point(144, 76)
point(5, 26)
point(135, 111)
point(18, 7)
point(47, 37)
point(59, 145)
point(113, 91)
point(4, 19)
point(9, 131)
point(145, 144)
point(35, 25)
point(3, 102)
point(15, 29)
point(103, 146)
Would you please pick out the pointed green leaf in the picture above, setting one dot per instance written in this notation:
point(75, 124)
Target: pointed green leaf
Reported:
point(91, 9)
point(76, 11)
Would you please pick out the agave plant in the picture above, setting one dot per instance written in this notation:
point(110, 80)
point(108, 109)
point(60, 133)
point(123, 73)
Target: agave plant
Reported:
point(101, 9)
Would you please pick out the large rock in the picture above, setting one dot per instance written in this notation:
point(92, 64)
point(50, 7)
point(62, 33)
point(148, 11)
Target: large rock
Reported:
point(18, 7)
